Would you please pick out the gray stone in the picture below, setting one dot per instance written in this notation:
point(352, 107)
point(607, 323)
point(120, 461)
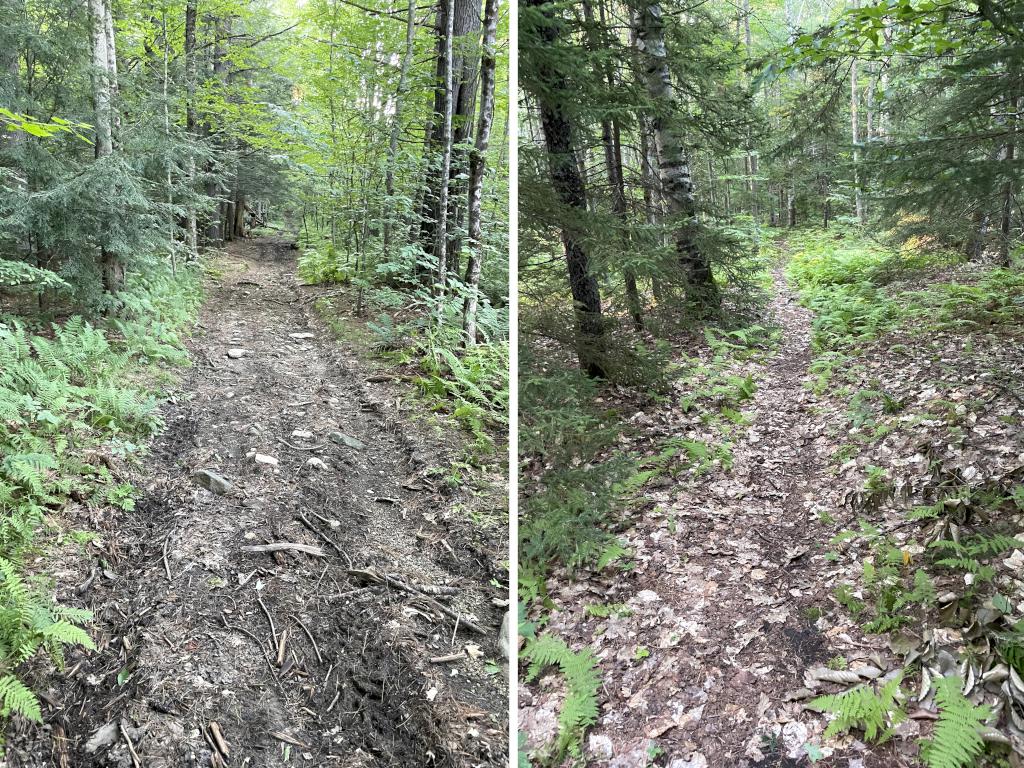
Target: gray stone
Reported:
point(104, 737)
point(236, 353)
point(212, 482)
point(342, 439)
point(600, 747)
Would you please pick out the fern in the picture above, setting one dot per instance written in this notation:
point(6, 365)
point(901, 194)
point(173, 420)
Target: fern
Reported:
point(861, 708)
point(956, 741)
point(15, 697)
point(580, 708)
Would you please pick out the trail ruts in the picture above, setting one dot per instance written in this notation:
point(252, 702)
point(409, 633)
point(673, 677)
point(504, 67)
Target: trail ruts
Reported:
point(213, 654)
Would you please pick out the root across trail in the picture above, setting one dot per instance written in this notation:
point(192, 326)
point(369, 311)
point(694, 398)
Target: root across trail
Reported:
point(289, 572)
point(705, 657)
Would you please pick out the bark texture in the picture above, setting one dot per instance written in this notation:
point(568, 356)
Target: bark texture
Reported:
point(677, 186)
point(477, 167)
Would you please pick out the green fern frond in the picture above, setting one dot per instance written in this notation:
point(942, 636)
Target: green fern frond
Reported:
point(956, 741)
point(580, 708)
point(861, 708)
point(15, 697)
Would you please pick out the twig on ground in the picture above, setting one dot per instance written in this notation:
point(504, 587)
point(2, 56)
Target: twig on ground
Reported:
point(300, 448)
point(167, 565)
point(251, 636)
point(310, 636)
point(280, 546)
point(270, 618)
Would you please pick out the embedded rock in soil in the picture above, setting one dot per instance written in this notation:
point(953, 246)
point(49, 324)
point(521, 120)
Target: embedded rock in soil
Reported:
point(104, 737)
point(600, 747)
point(236, 353)
point(212, 482)
point(342, 439)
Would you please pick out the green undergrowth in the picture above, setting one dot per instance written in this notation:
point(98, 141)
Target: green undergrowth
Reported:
point(410, 328)
point(861, 289)
point(77, 397)
point(942, 570)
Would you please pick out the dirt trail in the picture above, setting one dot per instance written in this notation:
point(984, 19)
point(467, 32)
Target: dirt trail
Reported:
point(720, 620)
point(185, 622)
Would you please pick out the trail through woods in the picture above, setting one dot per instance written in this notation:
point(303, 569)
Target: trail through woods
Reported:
point(708, 658)
point(212, 653)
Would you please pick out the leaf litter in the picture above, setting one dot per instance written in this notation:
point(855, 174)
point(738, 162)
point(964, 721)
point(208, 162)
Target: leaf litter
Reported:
point(731, 579)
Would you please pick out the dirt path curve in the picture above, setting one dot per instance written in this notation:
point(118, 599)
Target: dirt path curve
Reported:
point(719, 609)
point(296, 659)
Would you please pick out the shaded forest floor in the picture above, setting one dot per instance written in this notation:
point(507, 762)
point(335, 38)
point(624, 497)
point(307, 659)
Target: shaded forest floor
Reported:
point(723, 621)
point(212, 652)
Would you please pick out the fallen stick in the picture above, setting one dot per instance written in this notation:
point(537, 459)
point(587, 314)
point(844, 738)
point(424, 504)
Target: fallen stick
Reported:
point(300, 448)
point(218, 738)
point(251, 636)
point(281, 645)
point(310, 636)
point(376, 578)
point(136, 762)
point(280, 546)
point(325, 537)
point(167, 565)
point(446, 659)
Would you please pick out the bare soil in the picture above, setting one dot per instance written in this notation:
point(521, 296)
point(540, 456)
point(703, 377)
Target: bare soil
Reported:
point(211, 654)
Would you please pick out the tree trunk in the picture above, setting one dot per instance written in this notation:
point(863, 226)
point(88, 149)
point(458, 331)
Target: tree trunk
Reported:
point(477, 166)
point(456, 20)
point(396, 121)
point(610, 141)
point(441, 234)
point(1006, 219)
point(108, 32)
point(673, 161)
point(571, 191)
point(855, 141)
point(101, 79)
point(792, 207)
point(111, 269)
point(191, 123)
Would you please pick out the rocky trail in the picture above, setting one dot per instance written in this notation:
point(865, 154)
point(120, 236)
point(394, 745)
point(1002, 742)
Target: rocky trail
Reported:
point(716, 624)
point(290, 588)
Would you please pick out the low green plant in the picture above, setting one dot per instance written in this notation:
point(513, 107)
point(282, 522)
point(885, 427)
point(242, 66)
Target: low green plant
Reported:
point(956, 741)
point(582, 682)
point(874, 711)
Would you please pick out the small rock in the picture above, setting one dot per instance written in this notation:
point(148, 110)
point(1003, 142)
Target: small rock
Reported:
point(600, 747)
point(301, 336)
point(303, 434)
point(342, 439)
point(316, 463)
point(236, 353)
point(104, 737)
point(695, 760)
point(262, 458)
point(212, 482)
point(794, 736)
point(647, 596)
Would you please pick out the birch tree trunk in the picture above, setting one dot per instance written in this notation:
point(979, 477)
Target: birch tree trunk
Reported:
point(101, 79)
point(396, 124)
point(477, 167)
point(441, 235)
point(673, 160)
point(855, 141)
point(103, 55)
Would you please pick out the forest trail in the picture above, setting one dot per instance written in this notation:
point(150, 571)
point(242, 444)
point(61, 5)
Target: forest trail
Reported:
point(188, 672)
point(707, 657)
